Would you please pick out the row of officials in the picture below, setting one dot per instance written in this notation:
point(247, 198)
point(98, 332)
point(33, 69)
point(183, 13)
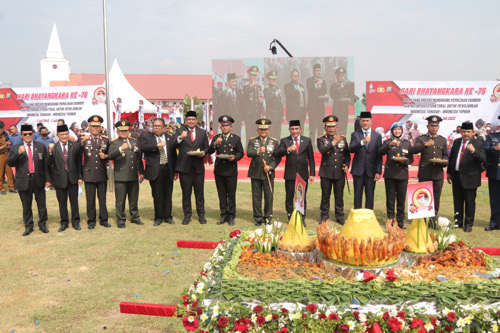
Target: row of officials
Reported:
point(171, 156)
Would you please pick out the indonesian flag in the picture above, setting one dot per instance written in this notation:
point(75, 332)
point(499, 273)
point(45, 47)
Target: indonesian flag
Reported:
point(158, 109)
point(118, 115)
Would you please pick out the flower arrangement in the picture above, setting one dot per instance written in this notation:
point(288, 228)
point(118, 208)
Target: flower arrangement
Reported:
point(443, 233)
point(266, 240)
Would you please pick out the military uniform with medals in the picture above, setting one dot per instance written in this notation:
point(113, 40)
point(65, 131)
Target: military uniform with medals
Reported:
point(262, 182)
point(432, 171)
point(127, 168)
point(252, 97)
point(342, 94)
point(95, 174)
point(274, 106)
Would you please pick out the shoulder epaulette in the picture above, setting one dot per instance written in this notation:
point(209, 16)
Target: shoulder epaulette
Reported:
point(114, 139)
point(275, 139)
point(132, 138)
point(104, 136)
point(321, 136)
point(253, 138)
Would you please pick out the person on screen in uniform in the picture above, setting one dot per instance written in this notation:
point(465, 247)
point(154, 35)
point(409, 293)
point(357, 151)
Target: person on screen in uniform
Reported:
point(252, 96)
point(231, 101)
point(317, 96)
point(295, 95)
point(432, 146)
point(342, 94)
point(274, 107)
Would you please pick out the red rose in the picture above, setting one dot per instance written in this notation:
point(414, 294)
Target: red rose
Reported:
point(448, 328)
point(395, 324)
point(322, 316)
point(199, 311)
point(304, 316)
point(190, 326)
point(390, 275)
point(312, 308)
point(261, 320)
point(333, 316)
point(344, 328)
point(258, 309)
point(195, 304)
point(284, 330)
point(356, 315)
point(223, 321)
point(275, 316)
point(241, 325)
point(416, 322)
point(402, 315)
point(368, 277)
point(385, 316)
point(451, 316)
point(434, 321)
point(285, 311)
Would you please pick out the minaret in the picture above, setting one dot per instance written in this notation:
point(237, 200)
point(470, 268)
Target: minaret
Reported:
point(54, 66)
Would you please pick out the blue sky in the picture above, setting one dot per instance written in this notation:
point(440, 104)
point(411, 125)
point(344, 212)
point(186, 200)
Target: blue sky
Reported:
point(390, 40)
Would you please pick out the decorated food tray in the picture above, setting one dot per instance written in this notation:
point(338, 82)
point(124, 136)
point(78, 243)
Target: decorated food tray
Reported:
point(439, 160)
point(400, 159)
point(224, 156)
point(193, 153)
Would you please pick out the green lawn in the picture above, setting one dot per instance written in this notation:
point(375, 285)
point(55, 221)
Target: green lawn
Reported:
point(74, 281)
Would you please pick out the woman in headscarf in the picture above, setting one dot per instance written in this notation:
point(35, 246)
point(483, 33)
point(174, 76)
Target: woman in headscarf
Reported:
point(399, 157)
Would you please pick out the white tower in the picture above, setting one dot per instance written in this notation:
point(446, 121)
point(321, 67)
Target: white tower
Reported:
point(54, 66)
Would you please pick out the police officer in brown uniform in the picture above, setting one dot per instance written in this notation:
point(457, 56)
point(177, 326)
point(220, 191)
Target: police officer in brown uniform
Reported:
point(264, 162)
point(229, 151)
point(335, 161)
point(95, 171)
point(432, 146)
point(128, 171)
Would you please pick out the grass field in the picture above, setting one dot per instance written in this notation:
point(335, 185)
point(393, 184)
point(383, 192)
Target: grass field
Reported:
point(74, 281)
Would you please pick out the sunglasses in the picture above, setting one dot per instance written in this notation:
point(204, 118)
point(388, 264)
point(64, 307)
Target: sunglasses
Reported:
point(27, 134)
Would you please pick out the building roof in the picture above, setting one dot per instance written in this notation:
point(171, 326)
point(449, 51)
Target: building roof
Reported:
point(153, 87)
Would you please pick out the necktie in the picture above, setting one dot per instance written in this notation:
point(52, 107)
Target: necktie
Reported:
point(234, 96)
point(461, 153)
point(297, 147)
point(65, 153)
point(163, 156)
point(301, 98)
point(192, 135)
point(31, 166)
point(366, 134)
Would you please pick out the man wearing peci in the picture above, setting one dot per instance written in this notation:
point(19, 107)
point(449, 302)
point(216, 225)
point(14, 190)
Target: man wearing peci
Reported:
point(229, 146)
point(492, 148)
point(65, 160)
point(32, 177)
point(193, 146)
point(335, 162)
point(464, 172)
point(128, 171)
point(367, 162)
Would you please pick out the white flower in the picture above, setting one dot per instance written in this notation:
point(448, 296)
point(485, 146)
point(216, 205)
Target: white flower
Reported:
point(443, 223)
point(468, 319)
point(269, 228)
point(258, 232)
point(429, 326)
point(494, 328)
point(460, 322)
point(277, 224)
point(351, 324)
point(204, 317)
point(451, 239)
point(215, 309)
point(362, 318)
point(193, 296)
point(191, 319)
point(360, 276)
point(254, 318)
point(269, 317)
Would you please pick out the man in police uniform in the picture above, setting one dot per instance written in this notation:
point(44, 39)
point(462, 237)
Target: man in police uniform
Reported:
point(232, 102)
point(317, 96)
point(274, 107)
point(335, 161)
point(32, 177)
point(295, 94)
point(342, 94)
point(492, 148)
point(128, 171)
point(65, 160)
point(252, 96)
point(229, 146)
point(262, 150)
point(432, 146)
point(299, 160)
point(95, 171)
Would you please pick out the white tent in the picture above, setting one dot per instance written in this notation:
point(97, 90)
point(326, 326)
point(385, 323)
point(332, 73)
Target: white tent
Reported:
point(121, 88)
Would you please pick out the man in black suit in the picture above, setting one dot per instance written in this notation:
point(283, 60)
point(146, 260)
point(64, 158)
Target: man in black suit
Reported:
point(32, 176)
point(160, 153)
point(492, 148)
point(295, 95)
point(367, 162)
point(193, 146)
point(226, 169)
point(464, 171)
point(299, 161)
point(231, 101)
point(65, 160)
point(317, 96)
point(335, 162)
point(95, 171)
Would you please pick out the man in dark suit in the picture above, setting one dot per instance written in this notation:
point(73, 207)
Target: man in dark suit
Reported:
point(32, 176)
point(464, 172)
point(128, 171)
point(231, 101)
point(342, 94)
point(65, 160)
point(262, 149)
point(229, 146)
point(295, 95)
point(492, 148)
point(432, 146)
point(160, 153)
point(396, 172)
point(317, 96)
point(367, 162)
point(193, 146)
point(299, 160)
point(274, 107)
point(335, 162)
point(95, 171)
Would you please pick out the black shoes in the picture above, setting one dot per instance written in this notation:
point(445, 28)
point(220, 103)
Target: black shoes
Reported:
point(91, 225)
point(169, 220)
point(467, 228)
point(62, 228)
point(77, 227)
point(27, 231)
point(157, 222)
point(491, 228)
point(121, 226)
point(257, 223)
point(138, 222)
point(231, 222)
point(186, 220)
point(221, 221)
point(14, 191)
point(341, 222)
point(44, 230)
point(202, 219)
point(105, 224)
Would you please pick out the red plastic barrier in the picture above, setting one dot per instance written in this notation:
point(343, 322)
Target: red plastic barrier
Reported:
point(197, 244)
point(148, 309)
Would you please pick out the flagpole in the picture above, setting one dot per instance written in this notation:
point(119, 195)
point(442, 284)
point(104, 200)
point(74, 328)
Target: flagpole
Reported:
point(111, 177)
